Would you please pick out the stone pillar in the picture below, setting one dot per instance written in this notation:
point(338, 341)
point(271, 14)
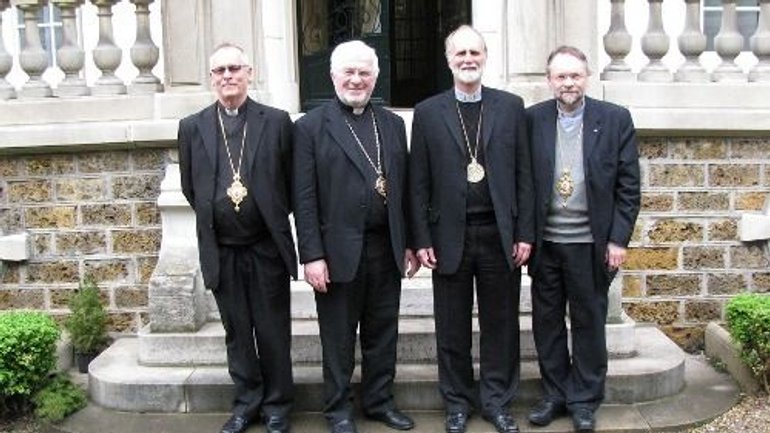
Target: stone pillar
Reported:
point(692, 42)
point(655, 44)
point(617, 44)
point(107, 55)
point(185, 53)
point(728, 44)
point(6, 61)
point(760, 45)
point(281, 81)
point(70, 57)
point(144, 53)
point(528, 40)
point(33, 58)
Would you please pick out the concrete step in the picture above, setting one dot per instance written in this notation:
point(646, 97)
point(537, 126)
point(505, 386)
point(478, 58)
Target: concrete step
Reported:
point(417, 343)
point(118, 381)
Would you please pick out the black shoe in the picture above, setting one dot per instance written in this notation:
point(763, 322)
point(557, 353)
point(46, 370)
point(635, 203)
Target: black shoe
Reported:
point(344, 426)
point(503, 422)
point(545, 412)
point(393, 418)
point(276, 424)
point(236, 424)
point(456, 422)
point(583, 420)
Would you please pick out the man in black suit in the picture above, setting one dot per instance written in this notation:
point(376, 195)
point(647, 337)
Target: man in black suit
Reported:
point(350, 178)
point(235, 164)
point(586, 167)
point(470, 186)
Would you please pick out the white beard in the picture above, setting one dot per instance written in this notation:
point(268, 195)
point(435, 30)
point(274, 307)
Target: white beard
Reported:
point(468, 76)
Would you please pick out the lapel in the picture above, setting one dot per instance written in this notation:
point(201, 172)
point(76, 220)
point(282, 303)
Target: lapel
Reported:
point(208, 127)
point(489, 102)
point(255, 121)
point(449, 111)
point(592, 128)
point(387, 135)
point(335, 120)
point(548, 142)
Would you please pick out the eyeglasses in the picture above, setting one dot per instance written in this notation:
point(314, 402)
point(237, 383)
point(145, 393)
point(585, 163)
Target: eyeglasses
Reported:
point(219, 70)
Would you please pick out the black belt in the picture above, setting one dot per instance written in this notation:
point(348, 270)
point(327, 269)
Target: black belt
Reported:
point(242, 241)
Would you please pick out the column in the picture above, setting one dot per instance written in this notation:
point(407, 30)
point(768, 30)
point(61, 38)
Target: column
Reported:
point(144, 53)
point(760, 45)
point(6, 61)
point(692, 42)
point(185, 53)
point(655, 44)
point(280, 46)
point(617, 44)
point(33, 58)
point(107, 55)
point(70, 57)
point(728, 43)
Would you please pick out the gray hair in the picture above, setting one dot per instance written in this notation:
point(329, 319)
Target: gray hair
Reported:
point(449, 41)
point(567, 50)
point(242, 57)
point(353, 49)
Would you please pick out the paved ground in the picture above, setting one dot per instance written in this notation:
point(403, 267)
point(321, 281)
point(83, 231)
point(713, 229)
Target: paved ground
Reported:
point(707, 395)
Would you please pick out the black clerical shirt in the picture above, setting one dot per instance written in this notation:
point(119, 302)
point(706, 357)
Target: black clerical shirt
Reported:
point(479, 200)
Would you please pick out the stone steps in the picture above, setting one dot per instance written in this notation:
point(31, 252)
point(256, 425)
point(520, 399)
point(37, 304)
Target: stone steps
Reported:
point(117, 380)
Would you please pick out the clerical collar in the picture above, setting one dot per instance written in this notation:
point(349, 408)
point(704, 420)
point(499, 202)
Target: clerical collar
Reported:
point(354, 111)
point(468, 97)
point(232, 112)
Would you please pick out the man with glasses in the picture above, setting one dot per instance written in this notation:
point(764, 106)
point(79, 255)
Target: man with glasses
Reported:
point(235, 164)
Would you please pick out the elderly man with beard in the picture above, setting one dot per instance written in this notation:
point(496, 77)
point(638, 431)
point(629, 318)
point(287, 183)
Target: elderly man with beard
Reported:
point(472, 219)
point(350, 181)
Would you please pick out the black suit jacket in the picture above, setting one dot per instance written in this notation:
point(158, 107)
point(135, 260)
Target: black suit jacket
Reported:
point(438, 183)
point(611, 163)
point(331, 192)
point(270, 131)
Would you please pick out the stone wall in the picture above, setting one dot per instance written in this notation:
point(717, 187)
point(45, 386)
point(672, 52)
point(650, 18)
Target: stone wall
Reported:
point(86, 213)
point(687, 260)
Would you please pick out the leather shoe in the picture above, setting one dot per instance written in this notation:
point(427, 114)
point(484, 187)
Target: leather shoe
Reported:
point(583, 420)
point(236, 424)
point(276, 424)
point(456, 422)
point(545, 412)
point(393, 418)
point(344, 426)
point(503, 422)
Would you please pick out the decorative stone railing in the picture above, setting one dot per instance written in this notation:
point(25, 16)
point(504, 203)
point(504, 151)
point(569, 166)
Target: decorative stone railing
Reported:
point(71, 56)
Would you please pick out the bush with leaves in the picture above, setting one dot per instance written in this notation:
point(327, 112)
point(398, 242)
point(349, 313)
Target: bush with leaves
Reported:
point(87, 324)
point(748, 318)
point(59, 398)
point(27, 356)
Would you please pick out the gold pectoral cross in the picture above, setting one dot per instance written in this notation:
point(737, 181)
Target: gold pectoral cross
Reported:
point(237, 192)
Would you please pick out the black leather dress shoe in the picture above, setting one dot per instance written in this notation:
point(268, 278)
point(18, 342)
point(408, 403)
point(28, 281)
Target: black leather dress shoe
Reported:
point(503, 422)
point(456, 422)
point(344, 426)
point(545, 412)
point(583, 420)
point(236, 424)
point(393, 418)
point(276, 424)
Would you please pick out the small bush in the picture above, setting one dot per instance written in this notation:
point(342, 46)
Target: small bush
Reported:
point(748, 317)
point(59, 398)
point(87, 324)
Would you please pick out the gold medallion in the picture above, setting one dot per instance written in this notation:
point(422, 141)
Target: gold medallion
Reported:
point(237, 192)
point(475, 171)
point(381, 186)
point(565, 186)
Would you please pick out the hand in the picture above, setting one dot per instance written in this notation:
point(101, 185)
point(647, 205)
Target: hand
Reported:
point(521, 252)
point(317, 275)
point(411, 263)
point(426, 257)
point(615, 256)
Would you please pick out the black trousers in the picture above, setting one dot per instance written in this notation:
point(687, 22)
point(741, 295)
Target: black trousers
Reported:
point(254, 302)
point(564, 276)
point(370, 301)
point(497, 289)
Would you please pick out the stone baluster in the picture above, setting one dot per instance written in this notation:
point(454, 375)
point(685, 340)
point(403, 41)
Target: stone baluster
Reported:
point(728, 44)
point(655, 44)
point(70, 57)
point(760, 45)
point(617, 44)
point(33, 58)
point(144, 53)
point(6, 61)
point(107, 55)
point(692, 42)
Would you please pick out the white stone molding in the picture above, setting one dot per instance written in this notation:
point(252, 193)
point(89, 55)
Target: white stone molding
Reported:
point(6, 60)
point(33, 58)
point(692, 43)
point(185, 56)
point(144, 52)
point(70, 56)
point(655, 45)
point(617, 44)
point(728, 43)
point(760, 45)
point(14, 248)
point(755, 226)
point(107, 55)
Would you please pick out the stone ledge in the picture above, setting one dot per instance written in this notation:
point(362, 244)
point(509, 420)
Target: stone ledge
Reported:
point(720, 345)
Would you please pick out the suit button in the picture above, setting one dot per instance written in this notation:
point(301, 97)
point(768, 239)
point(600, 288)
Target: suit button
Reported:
point(362, 206)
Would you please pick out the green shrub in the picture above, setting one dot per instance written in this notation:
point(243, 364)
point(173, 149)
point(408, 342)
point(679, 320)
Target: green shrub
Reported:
point(27, 356)
point(87, 324)
point(748, 317)
point(59, 398)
